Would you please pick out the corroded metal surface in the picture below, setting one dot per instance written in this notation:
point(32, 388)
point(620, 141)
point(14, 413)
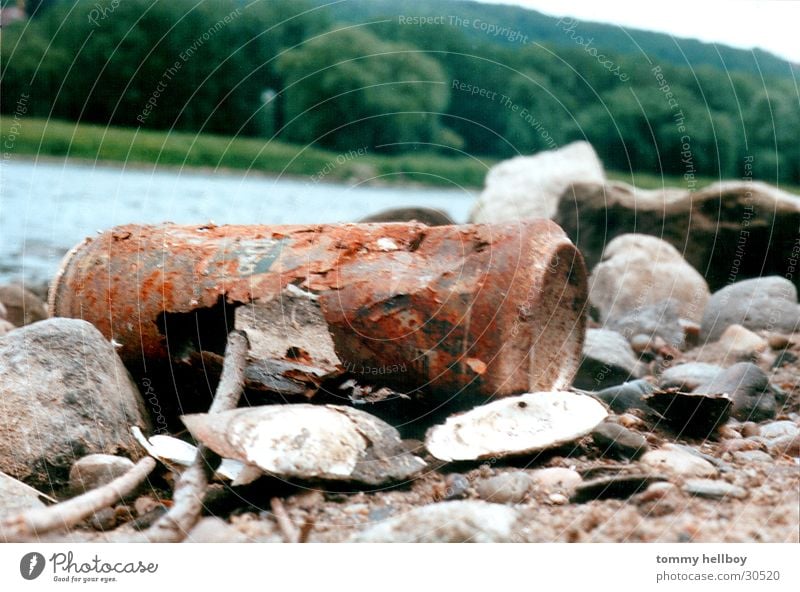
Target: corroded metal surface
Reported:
point(493, 309)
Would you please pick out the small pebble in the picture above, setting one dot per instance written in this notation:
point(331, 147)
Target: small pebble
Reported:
point(102, 520)
point(615, 439)
point(751, 456)
point(656, 491)
point(456, 486)
point(741, 342)
point(750, 428)
point(740, 445)
point(380, 513)
point(789, 445)
point(776, 429)
point(558, 499)
point(778, 341)
point(672, 459)
point(506, 488)
point(729, 433)
point(95, 470)
point(556, 478)
point(629, 421)
point(713, 489)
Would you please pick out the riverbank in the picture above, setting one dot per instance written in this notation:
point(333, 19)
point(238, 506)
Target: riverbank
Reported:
point(87, 143)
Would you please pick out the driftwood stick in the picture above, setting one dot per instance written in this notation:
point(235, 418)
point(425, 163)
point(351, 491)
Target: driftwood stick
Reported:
point(290, 533)
point(191, 487)
point(26, 525)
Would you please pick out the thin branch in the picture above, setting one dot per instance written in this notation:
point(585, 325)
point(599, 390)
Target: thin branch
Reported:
point(191, 487)
point(285, 523)
point(36, 522)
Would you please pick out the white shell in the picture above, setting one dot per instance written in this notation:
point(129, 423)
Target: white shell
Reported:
point(515, 425)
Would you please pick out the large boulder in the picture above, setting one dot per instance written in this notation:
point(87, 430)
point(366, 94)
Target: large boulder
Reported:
point(21, 306)
point(727, 231)
point(639, 270)
point(64, 393)
point(768, 303)
point(530, 186)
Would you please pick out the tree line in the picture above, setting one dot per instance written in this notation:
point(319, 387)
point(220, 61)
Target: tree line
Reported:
point(306, 74)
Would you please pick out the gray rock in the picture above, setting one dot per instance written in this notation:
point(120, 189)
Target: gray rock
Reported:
point(22, 306)
point(607, 360)
point(456, 485)
point(777, 429)
point(555, 479)
point(789, 445)
point(531, 186)
point(752, 456)
point(660, 319)
point(506, 488)
point(446, 522)
point(713, 489)
point(94, 470)
point(614, 439)
point(688, 377)
point(674, 460)
point(768, 303)
point(748, 387)
point(69, 395)
point(620, 486)
point(639, 270)
point(628, 395)
point(705, 225)
point(17, 497)
point(429, 216)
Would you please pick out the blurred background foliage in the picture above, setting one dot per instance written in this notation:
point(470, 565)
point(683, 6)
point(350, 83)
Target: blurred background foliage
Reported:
point(350, 75)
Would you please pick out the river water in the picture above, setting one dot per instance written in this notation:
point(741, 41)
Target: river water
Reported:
point(46, 208)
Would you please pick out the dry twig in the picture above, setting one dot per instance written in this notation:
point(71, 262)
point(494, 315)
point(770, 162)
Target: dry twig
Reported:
point(193, 482)
point(23, 527)
point(290, 533)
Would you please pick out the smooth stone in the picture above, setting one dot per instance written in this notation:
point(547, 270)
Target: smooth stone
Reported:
point(640, 270)
point(627, 395)
point(94, 470)
point(752, 456)
point(16, 497)
point(558, 499)
point(70, 396)
point(468, 521)
point(689, 376)
point(607, 360)
point(555, 479)
point(660, 319)
point(748, 387)
point(750, 428)
point(621, 486)
point(742, 342)
point(674, 460)
point(457, 486)
point(777, 429)
point(527, 187)
point(215, 530)
point(6, 327)
point(789, 445)
point(760, 303)
point(22, 306)
point(506, 488)
point(616, 439)
point(713, 489)
point(429, 216)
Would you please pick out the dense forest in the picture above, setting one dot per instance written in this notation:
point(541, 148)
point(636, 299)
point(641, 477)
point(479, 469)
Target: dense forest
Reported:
point(449, 77)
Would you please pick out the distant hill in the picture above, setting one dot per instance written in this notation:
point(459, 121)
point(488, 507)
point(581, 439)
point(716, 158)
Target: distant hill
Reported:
point(540, 28)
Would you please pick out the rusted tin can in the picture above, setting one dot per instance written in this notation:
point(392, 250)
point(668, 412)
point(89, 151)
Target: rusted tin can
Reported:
point(490, 309)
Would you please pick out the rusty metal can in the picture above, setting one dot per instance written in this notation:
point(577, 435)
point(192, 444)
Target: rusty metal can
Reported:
point(492, 309)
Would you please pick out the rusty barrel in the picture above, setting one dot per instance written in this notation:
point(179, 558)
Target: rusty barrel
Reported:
point(489, 309)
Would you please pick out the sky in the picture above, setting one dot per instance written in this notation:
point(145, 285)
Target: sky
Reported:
point(770, 25)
